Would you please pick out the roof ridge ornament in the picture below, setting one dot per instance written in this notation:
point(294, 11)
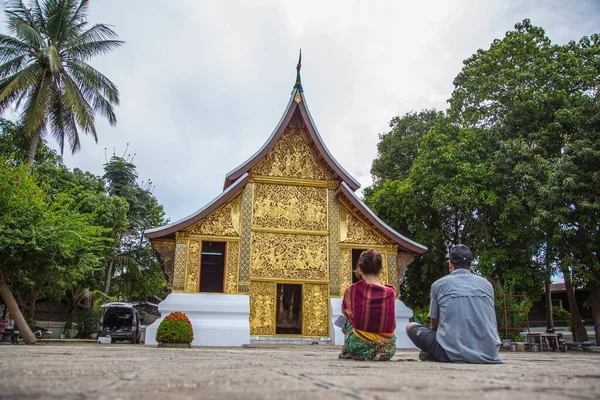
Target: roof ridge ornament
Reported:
point(298, 84)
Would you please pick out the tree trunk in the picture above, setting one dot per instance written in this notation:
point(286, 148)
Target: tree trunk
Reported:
point(595, 299)
point(548, 296)
point(31, 305)
point(108, 277)
point(16, 315)
point(577, 327)
point(32, 149)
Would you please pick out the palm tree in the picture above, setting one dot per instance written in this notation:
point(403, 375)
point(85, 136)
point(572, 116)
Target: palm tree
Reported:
point(44, 69)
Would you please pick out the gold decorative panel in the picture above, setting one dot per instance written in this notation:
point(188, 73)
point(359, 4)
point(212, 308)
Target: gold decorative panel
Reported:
point(345, 269)
point(262, 308)
point(393, 271)
point(224, 221)
point(291, 157)
point(165, 252)
point(316, 310)
point(334, 247)
point(232, 260)
point(179, 268)
point(192, 270)
point(288, 256)
point(354, 230)
point(245, 238)
point(404, 260)
point(290, 207)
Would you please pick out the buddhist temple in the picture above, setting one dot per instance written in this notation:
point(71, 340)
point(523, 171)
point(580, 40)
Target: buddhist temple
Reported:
point(269, 258)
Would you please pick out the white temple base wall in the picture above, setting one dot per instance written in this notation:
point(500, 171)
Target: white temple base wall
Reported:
point(217, 319)
point(403, 314)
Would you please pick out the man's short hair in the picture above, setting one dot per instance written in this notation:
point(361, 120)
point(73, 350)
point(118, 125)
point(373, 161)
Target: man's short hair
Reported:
point(370, 262)
point(460, 256)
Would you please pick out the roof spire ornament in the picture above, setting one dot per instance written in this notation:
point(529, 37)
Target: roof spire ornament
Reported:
point(298, 84)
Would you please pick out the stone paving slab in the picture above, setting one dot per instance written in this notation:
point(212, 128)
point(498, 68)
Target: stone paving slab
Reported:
point(111, 372)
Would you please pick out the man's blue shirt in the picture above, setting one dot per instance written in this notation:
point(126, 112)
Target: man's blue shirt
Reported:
point(467, 329)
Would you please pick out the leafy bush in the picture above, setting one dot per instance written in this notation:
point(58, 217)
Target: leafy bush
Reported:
point(421, 315)
point(515, 321)
point(87, 322)
point(560, 314)
point(175, 328)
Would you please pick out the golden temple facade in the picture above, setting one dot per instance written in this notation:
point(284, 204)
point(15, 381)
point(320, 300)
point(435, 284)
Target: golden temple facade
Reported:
point(286, 232)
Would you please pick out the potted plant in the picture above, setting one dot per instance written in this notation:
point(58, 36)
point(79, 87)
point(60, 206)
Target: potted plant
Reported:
point(175, 331)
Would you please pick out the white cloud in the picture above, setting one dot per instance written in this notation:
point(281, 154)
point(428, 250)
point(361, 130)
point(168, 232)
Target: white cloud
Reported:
point(204, 83)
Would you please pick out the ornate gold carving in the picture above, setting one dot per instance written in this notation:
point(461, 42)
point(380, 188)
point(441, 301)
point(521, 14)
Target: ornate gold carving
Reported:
point(245, 238)
point(262, 308)
point(232, 261)
point(354, 230)
point(179, 270)
point(192, 270)
point(334, 247)
point(345, 269)
point(298, 97)
point(290, 207)
point(291, 157)
point(343, 213)
point(287, 256)
point(384, 276)
point(236, 210)
point(291, 231)
point(273, 180)
point(404, 260)
point(181, 237)
point(214, 238)
point(224, 221)
point(165, 252)
point(392, 262)
point(316, 310)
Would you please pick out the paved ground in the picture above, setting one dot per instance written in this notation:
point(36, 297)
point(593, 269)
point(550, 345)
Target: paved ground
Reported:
point(301, 372)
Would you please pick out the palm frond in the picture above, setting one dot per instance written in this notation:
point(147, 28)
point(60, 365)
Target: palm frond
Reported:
point(55, 60)
point(87, 76)
point(59, 20)
point(61, 119)
point(38, 17)
point(11, 47)
point(105, 108)
point(96, 33)
point(28, 77)
point(16, 9)
point(78, 105)
point(82, 9)
point(85, 51)
point(26, 32)
point(12, 66)
point(34, 116)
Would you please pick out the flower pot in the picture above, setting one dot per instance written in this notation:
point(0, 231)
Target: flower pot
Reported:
point(176, 345)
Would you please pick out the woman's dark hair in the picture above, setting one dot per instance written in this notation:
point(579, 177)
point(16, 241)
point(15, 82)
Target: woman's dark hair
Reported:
point(370, 262)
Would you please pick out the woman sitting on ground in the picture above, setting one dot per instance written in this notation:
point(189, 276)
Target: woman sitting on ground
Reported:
point(369, 308)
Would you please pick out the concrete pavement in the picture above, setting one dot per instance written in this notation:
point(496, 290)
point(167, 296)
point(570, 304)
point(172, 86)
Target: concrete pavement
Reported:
point(114, 372)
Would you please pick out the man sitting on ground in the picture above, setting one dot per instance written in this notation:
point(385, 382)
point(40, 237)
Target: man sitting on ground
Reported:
point(463, 318)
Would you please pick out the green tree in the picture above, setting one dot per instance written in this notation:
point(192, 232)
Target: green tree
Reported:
point(511, 169)
point(137, 273)
point(44, 69)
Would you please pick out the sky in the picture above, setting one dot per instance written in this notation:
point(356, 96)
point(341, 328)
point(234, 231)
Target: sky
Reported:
point(204, 83)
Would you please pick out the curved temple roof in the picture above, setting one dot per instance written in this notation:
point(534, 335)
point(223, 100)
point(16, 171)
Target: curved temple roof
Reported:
point(188, 221)
point(402, 241)
point(293, 105)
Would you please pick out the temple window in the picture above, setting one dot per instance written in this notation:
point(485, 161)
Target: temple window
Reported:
point(212, 269)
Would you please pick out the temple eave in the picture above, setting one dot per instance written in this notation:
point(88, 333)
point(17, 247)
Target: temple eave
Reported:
point(403, 242)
